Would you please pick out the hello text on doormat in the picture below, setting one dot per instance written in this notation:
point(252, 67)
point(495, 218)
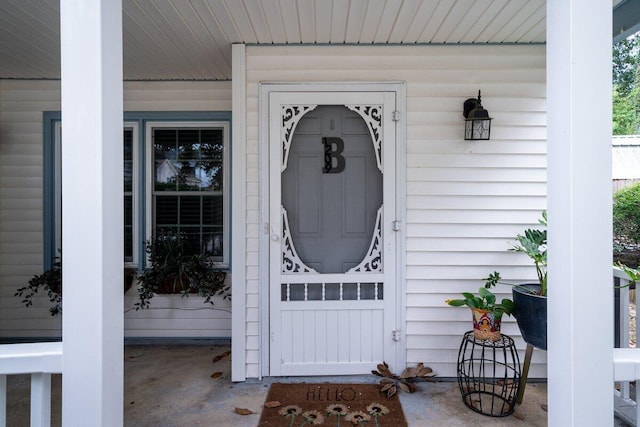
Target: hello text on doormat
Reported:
point(344, 405)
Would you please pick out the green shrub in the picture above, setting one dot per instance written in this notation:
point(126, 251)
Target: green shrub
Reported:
point(626, 216)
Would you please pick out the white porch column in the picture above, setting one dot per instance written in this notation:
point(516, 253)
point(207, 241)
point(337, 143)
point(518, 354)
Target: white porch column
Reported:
point(239, 214)
point(580, 328)
point(92, 220)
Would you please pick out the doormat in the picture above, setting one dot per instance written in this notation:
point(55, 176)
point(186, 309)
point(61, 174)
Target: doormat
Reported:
point(305, 404)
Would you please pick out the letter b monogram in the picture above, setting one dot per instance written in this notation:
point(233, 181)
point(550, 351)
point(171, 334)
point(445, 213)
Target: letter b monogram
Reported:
point(333, 148)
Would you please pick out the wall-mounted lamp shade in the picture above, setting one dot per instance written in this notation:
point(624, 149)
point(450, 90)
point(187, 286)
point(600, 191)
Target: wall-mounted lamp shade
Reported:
point(477, 123)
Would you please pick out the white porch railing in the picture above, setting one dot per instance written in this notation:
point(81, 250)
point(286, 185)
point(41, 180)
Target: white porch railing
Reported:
point(626, 360)
point(40, 360)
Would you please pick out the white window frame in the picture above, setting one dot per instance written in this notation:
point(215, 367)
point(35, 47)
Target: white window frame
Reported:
point(135, 162)
point(150, 126)
point(134, 188)
point(57, 199)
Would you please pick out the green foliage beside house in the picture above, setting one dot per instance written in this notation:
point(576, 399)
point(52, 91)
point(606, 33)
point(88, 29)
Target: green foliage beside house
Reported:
point(626, 218)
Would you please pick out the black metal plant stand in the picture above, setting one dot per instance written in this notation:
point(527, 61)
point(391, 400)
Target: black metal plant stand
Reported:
point(489, 375)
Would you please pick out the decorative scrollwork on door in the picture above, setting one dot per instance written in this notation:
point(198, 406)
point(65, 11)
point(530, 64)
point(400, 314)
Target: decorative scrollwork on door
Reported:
point(372, 116)
point(291, 115)
point(291, 262)
point(372, 262)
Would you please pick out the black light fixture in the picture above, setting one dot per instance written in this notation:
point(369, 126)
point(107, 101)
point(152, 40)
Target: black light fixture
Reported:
point(477, 123)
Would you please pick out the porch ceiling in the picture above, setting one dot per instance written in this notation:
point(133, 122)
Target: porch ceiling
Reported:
point(191, 40)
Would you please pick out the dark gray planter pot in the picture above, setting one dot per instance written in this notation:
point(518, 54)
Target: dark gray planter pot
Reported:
point(531, 313)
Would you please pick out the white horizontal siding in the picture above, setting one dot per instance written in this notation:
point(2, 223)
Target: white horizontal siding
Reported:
point(173, 316)
point(177, 96)
point(21, 227)
point(22, 104)
point(466, 200)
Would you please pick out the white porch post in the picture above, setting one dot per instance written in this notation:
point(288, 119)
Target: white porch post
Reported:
point(580, 356)
point(239, 223)
point(92, 220)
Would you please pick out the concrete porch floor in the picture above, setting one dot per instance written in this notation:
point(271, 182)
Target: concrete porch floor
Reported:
point(180, 385)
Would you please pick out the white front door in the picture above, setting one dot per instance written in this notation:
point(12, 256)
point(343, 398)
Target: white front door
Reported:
point(332, 240)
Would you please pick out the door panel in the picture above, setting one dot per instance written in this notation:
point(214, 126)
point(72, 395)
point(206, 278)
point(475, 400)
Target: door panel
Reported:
point(332, 252)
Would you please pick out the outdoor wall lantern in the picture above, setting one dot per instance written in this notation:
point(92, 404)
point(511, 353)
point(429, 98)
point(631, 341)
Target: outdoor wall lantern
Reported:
point(477, 123)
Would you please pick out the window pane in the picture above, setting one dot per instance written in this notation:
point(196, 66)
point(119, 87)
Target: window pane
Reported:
point(190, 210)
point(128, 159)
point(187, 180)
point(212, 241)
point(189, 163)
point(188, 144)
point(194, 237)
point(128, 211)
point(128, 194)
point(165, 160)
point(210, 175)
point(166, 210)
point(166, 230)
point(164, 140)
point(212, 210)
point(128, 228)
point(211, 153)
point(188, 160)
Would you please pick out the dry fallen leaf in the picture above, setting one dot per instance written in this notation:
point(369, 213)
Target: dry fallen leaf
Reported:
point(216, 375)
point(518, 415)
point(408, 373)
point(391, 392)
point(272, 404)
point(243, 411)
point(221, 356)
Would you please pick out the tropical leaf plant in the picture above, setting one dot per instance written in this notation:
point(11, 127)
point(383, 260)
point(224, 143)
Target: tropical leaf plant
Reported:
point(533, 243)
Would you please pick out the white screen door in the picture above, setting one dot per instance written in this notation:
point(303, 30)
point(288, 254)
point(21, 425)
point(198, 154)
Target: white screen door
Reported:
point(332, 245)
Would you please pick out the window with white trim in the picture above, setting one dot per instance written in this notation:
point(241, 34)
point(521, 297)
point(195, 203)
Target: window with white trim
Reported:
point(188, 183)
point(177, 180)
point(130, 147)
point(130, 168)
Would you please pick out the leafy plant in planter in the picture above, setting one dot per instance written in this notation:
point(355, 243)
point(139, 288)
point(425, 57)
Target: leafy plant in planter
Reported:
point(176, 267)
point(530, 300)
point(533, 243)
point(487, 312)
point(51, 282)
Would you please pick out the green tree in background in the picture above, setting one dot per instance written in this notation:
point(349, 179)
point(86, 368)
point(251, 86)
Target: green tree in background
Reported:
point(626, 86)
point(625, 64)
point(625, 112)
